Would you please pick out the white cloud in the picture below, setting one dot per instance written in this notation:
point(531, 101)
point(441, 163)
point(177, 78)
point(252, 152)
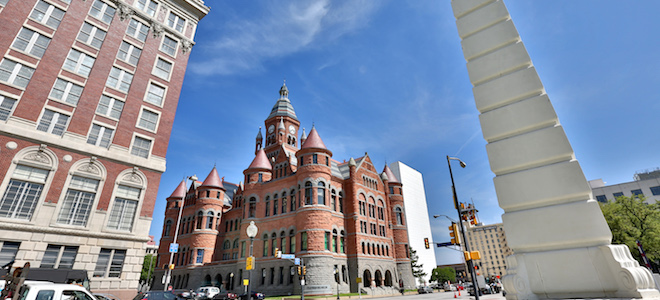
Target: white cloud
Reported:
point(282, 29)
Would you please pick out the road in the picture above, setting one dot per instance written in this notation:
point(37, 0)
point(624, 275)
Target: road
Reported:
point(445, 295)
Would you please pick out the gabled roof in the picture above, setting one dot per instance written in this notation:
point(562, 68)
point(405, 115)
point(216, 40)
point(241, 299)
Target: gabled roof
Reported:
point(313, 140)
point(390, 175)
point(261, 161)
point(213, 179)
point(180, 190)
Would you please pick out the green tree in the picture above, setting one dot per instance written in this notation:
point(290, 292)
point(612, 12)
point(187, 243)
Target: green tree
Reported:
point(148, 267)
point(443, 274)
point(631, 219)
point(417, 268)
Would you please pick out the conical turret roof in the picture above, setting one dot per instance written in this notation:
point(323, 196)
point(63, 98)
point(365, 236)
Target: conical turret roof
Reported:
point(390, 175)
point(213, 179)
point(261, 161)
point(313, 140)
point(180, 190)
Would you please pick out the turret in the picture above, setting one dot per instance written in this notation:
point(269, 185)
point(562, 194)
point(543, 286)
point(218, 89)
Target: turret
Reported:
point(258, 141)
point(260, 170)
point(313, 152)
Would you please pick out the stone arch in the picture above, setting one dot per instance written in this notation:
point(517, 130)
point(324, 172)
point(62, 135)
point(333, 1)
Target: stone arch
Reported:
point(207, 280)
point(366, 278)
point(388, 278)
point(378, 278)
point(218, 280)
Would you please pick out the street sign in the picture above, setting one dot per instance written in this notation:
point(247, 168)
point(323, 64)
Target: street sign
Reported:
point(296, 261)
point(447, 244)
point(174, 248)
point(288, 256)
point(249, 263)
point(246, 281)
point(358, 280)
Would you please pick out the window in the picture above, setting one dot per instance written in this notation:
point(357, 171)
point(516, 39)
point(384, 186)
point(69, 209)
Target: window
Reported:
point(137, 30)
point(110, 107)
point(341, 242)
point(175, 22)
point(66, 91)
point(102, 11)
point(168, 228)
point(341, 202)
point(59, 257)
point(109, 263)
point(265, 252)
point(47, 14)
point(292, 242)
point(147, 6)
point(315, 158)
point(209, 220)
point(119, 79)
point(141, 147)
point(155, 94)
point(243, 249)
point(655, 190)
point(6, 106)
point(273, 244)
point(31, 42)
point(334, 240)
point(92, 35)
point(293, 200)
point(617, 195)
point(8, 251)
point(78, 201)
point(129, 53)
point(275, 205)
point(252, 208)
point(53, 122)
point(308, 193)
point(148, 120)
point(399, 216)
point(200, 256)
point(601, 198)
point(321, 193)
point(100, 136)
point(162, 69)
point(124, 208)
point(637, 193)
point(169, 45)
point(303, 241)
point(79, 63)
point(23, 192)
point(14, 73)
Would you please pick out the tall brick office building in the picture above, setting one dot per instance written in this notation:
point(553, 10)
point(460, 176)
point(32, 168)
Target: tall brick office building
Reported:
point(343, 216)
point(88, 93)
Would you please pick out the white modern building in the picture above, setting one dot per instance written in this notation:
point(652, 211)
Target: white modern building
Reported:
point(646, 183)
point(417, 215)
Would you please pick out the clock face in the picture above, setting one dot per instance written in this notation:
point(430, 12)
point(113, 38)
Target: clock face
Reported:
point(271, 128)
point(292, 129)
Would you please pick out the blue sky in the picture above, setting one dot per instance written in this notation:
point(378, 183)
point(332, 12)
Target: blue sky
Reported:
point(388, 78)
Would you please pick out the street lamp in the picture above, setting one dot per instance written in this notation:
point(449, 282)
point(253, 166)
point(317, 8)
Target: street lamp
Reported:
point(470, 263)
point(446, 216)
point(168, 277)
point(337, 280)
point(251, 233)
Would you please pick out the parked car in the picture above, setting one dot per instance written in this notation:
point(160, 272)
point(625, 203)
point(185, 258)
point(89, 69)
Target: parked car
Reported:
point(425, 290)
point(225, 295)
point(157, 295)
point(207, 292)
point(255, 296)
point(54, 291)
point(105, 296)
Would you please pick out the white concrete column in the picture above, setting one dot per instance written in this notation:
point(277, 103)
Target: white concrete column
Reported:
point(561, 241)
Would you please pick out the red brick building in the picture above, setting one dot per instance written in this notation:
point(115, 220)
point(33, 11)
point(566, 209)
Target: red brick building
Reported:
point(88, 93)
point(344, 219)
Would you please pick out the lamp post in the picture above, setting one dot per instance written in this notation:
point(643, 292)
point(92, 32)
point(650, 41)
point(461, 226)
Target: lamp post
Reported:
point(168, 277)
point(337, 280)
point(470, 263)
point(251, 233)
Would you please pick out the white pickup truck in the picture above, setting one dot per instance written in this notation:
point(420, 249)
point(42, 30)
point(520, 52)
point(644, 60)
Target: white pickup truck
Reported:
point(55, 291)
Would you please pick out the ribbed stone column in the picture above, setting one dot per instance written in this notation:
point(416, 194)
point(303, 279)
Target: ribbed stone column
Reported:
point(561, 241)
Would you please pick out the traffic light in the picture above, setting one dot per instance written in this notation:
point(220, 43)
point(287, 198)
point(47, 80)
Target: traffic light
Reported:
point(304, 270)
point(277, 253)
point(426, 243)
point(454, 234)
point(475, 255)
point(299, 271)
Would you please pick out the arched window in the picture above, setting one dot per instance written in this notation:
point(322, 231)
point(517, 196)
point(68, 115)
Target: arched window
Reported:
point(209, 220)
point(235, 244)
point(367, 278)
point(379, 278)
point(77, 205)
point(253, 208)
point(364, 251)
point(218, 221)
point(399, 215)
point(168, 228)
point(200, 216)
point(283, 202)
point(381, 210)
point(341, 202)
point(283, 241)
point(273, 238)
point(265, 252)
point(334, 240)
point(321, 193)
point(388, 278)
point(303, 241)
point(292, 241)
point(308, 193)
point(267, 206)
point(275, 204)
point(333, 199)
point(293, 200)
point(127, 198)
point(226, 244)
point(341, 242)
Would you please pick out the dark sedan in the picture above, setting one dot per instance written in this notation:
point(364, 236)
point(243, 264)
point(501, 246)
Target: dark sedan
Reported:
point(255, 296)
point(157, 295)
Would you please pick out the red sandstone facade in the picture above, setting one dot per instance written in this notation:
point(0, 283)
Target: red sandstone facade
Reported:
point(343, 216)
point(88, 93)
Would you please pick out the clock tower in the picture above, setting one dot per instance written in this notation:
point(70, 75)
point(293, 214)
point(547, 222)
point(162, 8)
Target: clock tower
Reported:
point(282, 130)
